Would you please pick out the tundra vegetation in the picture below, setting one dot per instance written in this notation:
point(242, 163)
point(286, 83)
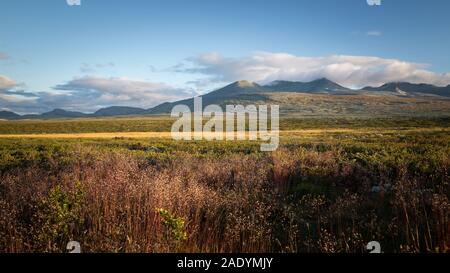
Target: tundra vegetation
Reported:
point(332, 186)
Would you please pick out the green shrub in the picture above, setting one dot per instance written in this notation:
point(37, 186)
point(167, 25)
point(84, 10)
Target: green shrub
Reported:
point(174, 226)
point(56, 218)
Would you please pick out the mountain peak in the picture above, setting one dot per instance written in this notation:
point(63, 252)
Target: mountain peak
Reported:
point(60, 113)
point(119, 111)
point(316, 86)
point(245, 84)
point(57, 111)
point(323, 80)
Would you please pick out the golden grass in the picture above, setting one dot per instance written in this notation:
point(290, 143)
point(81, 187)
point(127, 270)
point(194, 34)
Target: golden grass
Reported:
point(166, 135)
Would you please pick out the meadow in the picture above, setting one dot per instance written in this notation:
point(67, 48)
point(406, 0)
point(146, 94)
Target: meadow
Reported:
point(334, 185)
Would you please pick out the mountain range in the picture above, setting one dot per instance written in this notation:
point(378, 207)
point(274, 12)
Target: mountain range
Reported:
point(245, 92)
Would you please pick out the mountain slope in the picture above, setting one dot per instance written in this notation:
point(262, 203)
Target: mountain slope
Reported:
point(322, 97)
point(412, 88)
point(323, 85)
point(245, 92)
point(240, 92)
point(60, 113)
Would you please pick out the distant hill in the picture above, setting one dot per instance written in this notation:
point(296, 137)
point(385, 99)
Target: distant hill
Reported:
point(118, 111)
point(55, 114)
point(8, 115)
point(406, 87)
point(60, 113)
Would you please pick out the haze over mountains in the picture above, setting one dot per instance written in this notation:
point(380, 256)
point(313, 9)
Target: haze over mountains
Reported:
point(244, 92)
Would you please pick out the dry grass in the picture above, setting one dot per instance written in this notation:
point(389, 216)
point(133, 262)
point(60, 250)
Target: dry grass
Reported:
point(289, 201)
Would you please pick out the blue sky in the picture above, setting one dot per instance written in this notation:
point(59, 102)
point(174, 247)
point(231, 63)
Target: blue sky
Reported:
point(143, 52)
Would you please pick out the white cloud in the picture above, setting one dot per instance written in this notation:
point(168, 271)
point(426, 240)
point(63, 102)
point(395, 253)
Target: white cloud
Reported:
point(16, 98)
point(95, 92)
point(12, 98)
point(6, 83)
point(88, 94)
point(351, 71)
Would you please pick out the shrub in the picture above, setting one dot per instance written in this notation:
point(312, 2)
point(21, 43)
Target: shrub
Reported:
point(56, 218)
point(174, 228)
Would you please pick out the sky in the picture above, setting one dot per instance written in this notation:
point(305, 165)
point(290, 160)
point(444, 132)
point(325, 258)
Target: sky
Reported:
point(144, 52)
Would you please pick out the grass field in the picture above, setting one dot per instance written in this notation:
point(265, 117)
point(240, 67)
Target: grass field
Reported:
point(123, 185)
point(164, 124)
point(167, 135)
